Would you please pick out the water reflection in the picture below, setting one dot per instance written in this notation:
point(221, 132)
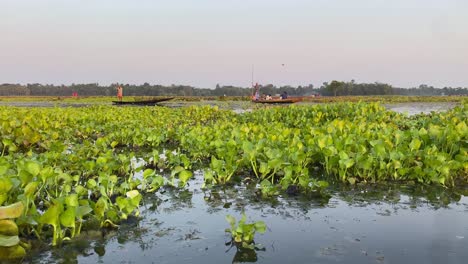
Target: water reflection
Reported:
point(413, 195)
point(244, 255)
point(420, 107)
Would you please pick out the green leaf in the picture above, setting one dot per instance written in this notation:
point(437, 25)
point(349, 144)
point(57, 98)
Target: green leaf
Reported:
point(8, 228)
point(462, 128)
point(275, 163)
point(80, 190)
point(101, 161)
point(8, 241)
point(67, 218)
point(217, 165)
point(33, 168)
point(247, 245)
point(5, 185)
point(25, 177)
point(71, 200)
point(100, 207)
point(7, 141)
point(82, 210)
point(114, 143)
point(46, 173)
point(415, 144)
point(122, 202)
point(444, 170)
point(247, 146)
point(434, 130)
point(243, 219)
point(208, 176)
point(30, 189)
point(11, 211)
point(91, 183)
point(51, 216)
point(185, 175)
point(158, 181)
point(349, 163)
point(264, 169)
point(260, 227)
point(343, 155)
point(147, 173)
point(265, 183)
point(132, 194)
point(329, 151)
point(231, 220)
point(14, 252)
point(322, 142)
point(176, 170)
point(380, 149)
point(322, 184)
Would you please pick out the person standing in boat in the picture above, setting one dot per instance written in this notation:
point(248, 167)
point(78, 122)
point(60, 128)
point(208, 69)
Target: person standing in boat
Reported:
point(257, 92)
point(119, 93)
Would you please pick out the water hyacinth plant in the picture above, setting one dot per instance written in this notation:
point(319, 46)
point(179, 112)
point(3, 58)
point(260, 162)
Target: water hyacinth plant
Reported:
point(10, 245)
point(68, 166)
point(242, 233)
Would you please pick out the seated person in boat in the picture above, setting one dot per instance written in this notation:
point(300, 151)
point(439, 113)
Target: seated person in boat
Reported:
point(268, 97)
point(284, 95)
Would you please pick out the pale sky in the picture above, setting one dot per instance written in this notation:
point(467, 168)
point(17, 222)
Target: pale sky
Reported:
point(205, 42)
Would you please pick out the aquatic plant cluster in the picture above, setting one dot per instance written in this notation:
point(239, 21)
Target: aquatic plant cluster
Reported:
point(319, 99)
point(71, 167)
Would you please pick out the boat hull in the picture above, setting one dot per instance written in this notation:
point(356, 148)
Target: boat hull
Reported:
point(278, 101)
point(144, 102)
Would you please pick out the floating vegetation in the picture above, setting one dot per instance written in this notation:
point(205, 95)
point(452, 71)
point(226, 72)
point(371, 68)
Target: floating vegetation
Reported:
point(10, 245)
point(71, 166)
point(242, 233)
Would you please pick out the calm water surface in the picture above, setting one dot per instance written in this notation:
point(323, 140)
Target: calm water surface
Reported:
point(418, 108)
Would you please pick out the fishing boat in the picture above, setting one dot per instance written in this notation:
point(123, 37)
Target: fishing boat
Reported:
point(143, 102)
point(290, 100)
point(283, 99)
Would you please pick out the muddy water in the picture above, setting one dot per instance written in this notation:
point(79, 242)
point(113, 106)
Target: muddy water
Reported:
point(373, 224)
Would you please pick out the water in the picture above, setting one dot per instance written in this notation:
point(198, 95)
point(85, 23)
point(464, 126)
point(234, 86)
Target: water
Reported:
point(418, 108)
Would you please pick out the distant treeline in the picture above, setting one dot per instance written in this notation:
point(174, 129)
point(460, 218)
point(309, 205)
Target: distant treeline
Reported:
point(334, 88)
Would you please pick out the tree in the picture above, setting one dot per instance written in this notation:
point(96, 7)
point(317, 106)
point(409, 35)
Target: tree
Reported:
point(335, 86)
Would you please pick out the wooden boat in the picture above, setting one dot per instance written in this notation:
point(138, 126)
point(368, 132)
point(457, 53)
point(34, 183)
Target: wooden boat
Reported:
point(279, 101)
point(272, 100)
point(143, 102)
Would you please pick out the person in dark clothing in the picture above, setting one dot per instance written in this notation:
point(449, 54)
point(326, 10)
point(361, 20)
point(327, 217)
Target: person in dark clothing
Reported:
point(284, 95)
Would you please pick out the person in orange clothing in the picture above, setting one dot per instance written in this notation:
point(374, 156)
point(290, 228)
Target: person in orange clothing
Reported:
point(119, 93)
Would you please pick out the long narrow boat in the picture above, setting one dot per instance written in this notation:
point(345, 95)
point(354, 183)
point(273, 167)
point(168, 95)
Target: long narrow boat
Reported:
point(143, 102)
point(279, 101)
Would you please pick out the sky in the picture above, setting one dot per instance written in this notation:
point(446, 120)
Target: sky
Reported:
point(207, 42)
